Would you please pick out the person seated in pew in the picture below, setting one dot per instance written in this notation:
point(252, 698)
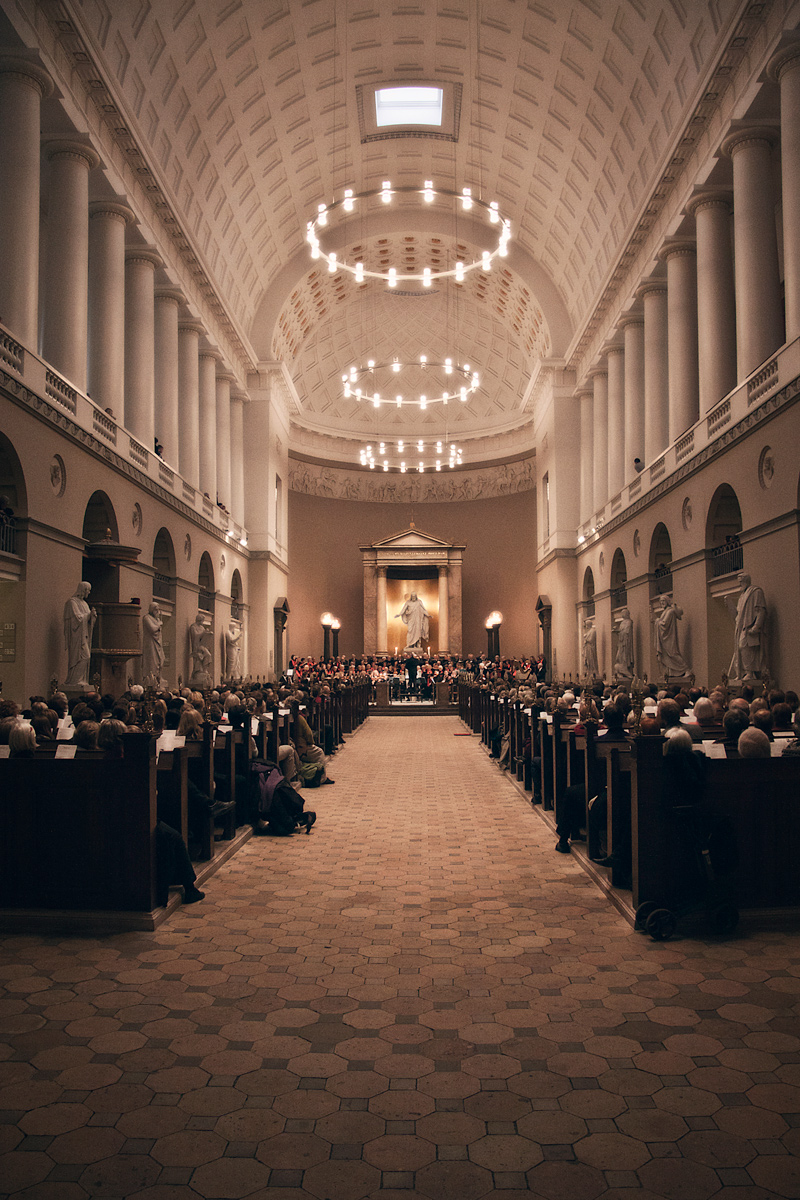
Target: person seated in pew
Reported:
point(735, 721)
point(762, 719)
point(86, 735)
point(781, 718)
point(21, 741)
point(669, 715)
point(704, 714)
point(571, 806)
point(753, 743)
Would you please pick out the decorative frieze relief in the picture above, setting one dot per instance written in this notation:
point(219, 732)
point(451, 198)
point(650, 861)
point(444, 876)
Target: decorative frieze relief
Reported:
point(337, 483)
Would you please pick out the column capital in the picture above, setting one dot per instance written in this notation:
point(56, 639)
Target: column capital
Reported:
point(170, 295)
point(29, 71)
point(240, 396)
point(112, 208)
point(71, 148)
point(612, 349)
point(710, 197)
point(144, 255)
point(210, 352)
point(786, 57)
point(190, 325)
point(652, 287)
point(741, 134)
point(631, 319)
point(595, 372)
point(442, 568)
point(381, 572)
point(585, 391)
point(678, 248)
point(225, 375)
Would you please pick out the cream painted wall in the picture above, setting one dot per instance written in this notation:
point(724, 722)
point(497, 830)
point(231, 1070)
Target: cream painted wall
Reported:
point(499, 564)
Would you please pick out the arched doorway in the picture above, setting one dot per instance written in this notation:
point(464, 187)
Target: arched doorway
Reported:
point(619, 581)
point(13, 511)
point(724, 561)
point(164, 572)
point(660, 562)
point(100, 520)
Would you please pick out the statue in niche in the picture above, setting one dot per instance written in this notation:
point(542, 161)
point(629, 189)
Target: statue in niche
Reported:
point(233, 651)
point(79, 622)
point(415, 615)
point(152, 647)
point(623, 663)
point(749, 641)
point(201, 656)
point(666, 615)
point(590, 664)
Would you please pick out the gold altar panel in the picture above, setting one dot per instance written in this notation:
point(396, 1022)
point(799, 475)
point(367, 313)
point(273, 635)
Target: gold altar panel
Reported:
point(397, 592)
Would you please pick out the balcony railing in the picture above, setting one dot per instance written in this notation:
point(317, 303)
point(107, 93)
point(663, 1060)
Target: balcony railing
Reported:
point(728, 558)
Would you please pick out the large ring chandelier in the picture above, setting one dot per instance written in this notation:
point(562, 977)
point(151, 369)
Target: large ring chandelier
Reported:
point(413, 454)
point(466, 382)
point(428, 193)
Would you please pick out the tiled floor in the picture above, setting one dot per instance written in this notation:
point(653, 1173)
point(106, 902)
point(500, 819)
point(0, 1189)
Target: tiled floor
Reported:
point(421, 998)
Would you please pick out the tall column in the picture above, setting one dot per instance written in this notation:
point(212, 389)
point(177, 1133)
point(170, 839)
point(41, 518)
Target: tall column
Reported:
point(65, 301)
point(759, 313)
point(716, 308)
point(615, 357)
point(444, 609)
point(23, 84)
point(656, 373)
point(599, 377)
point(680, 255)
point(140, 268)
point(106, 381)
point(224, 381)
point(633, 332)
point(584, 396)
point(238, 400)
point(207, 368)
point(189, 400)
point(167, 425)
point(785, 67)
point(382, 622)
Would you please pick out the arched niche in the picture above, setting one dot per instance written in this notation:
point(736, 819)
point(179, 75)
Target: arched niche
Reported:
point(100, 520)
point(205, 582)
point(660, 565)
point(164, 566)
point(14, 500)
point(237, 596)
point(723, 526)
point(619, 580)
point(587, 594)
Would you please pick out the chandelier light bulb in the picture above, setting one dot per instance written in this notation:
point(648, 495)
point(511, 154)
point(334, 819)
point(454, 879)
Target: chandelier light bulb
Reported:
point(359, 272)
point(348, 204)
point(396, 365)
point(486, 261)
point(459, 272)
point(400, 447)
point(438, 464)
point(322, 214)
point(448, 366)
point(466, 199)
point(428, 193)
point(421, 467)
point(332, 266)
point(423, 403)
point(420, 444)
point(399, 401)
point(392, 276)
point(402, 468)
point(346, 389)
point(376, 401)
point(370, 363)
point(386, 194)
point(426, 277)
point(385, 465)
point(494, 215)
point(463, 394)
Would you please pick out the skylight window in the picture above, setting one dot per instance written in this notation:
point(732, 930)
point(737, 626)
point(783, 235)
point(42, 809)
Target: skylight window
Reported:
point(408, 106)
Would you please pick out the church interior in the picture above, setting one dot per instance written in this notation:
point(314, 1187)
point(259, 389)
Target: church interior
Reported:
point(317, 316)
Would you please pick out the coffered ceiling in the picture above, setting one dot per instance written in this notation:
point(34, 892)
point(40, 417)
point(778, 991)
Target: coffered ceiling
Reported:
point(246, 114)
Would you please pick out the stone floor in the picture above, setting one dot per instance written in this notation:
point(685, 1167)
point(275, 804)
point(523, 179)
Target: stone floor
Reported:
point(419, 999)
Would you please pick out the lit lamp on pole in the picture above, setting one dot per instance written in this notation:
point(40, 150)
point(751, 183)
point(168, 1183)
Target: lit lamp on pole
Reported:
point(493, 623)
point(326, 620)
point(336, 626)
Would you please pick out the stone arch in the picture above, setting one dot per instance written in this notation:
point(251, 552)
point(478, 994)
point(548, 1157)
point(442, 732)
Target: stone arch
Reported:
point(660, 561)
point(619, 580)
point(15, 502)
point(587, 594)
point(164, 566)
point(100, 519)
point(205, 581)
point(723, 526)
point(237, 595)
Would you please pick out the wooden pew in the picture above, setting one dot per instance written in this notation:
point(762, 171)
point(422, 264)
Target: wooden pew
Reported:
point(79, 834)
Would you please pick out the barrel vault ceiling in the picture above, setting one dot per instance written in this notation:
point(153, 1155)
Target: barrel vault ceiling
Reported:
point(246, 115)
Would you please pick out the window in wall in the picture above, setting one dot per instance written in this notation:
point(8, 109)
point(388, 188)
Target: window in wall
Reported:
point(278, 509)
point(546, 503)
point(408, 106)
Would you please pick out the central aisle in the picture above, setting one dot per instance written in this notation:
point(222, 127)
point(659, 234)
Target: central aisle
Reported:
point(421, 998)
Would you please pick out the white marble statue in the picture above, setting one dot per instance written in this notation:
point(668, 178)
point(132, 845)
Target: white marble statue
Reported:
point(666, 615)
point(79, 622)
point(749, 638)
point(233, 651)
point(201, 656)
point(415, 615)
point(590, 664)
point(152, 647)
point(623, 663)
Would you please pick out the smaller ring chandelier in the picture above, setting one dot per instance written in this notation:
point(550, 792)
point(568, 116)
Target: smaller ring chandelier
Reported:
point(378, 455)
point(428, 193)
point(470, 382)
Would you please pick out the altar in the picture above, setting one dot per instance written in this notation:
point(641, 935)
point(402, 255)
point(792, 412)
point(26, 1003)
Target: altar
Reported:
point(412, 563)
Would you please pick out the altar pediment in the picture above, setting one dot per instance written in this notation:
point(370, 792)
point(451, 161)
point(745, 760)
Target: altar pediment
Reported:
point(411, 539)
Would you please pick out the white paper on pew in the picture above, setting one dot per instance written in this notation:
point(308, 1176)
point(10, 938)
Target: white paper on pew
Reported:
point(166, 741)
point(65, 732)
point(65, 751)
point(5, 751)
point(179, 740)
point(527, 711)
point(777, 748)
point(254, 725)
point(283, 712)
point(714, 750)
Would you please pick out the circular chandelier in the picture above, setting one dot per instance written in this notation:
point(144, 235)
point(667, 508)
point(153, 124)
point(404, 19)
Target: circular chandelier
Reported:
point(428, 194)
point(385, 456)
point(465, 383)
